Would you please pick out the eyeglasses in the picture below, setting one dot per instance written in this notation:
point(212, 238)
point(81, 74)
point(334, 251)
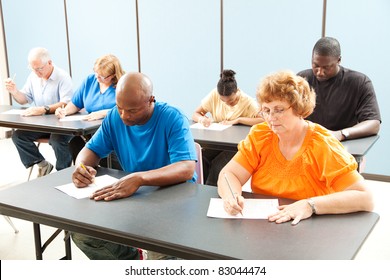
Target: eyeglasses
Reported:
point(276, 112)
point(39, 69)
point(101, 77)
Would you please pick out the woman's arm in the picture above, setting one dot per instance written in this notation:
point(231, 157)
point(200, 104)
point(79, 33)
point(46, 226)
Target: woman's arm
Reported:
point(353, 199)
point(233, 176)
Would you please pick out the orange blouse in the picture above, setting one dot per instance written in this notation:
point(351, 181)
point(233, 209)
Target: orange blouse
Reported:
point(321, 166)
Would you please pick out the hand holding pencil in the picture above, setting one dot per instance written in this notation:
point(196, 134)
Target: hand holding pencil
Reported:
point(10, 84)
point(237, 205)
point(83, 175)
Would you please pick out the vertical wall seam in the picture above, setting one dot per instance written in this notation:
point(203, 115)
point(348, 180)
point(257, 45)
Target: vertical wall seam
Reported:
point(138, 37)
point(5, 47)
point(67, 38)
point(323, 18)
point(221, 23)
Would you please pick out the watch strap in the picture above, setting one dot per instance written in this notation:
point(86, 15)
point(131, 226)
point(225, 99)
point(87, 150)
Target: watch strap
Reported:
point(312, 205)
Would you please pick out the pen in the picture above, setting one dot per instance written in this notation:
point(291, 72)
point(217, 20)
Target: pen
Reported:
point(230, 188)
point(13, 78)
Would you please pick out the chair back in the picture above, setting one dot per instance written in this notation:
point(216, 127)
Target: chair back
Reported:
point(199, 164)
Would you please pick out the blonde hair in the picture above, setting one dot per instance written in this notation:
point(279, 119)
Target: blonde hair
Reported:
point(109, 65)
point(287, 86)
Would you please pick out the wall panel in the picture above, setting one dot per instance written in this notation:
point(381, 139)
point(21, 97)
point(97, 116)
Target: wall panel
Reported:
point(97, 28)
point(180, 49)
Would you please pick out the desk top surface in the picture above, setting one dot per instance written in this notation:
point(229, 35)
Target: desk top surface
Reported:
point(173, 220)
point(231, 136)
point(46, 123)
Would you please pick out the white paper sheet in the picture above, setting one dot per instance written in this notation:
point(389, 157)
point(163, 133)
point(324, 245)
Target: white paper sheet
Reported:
point(253, 209)
point(213, 126)
point(14, 112)
point(100, 182)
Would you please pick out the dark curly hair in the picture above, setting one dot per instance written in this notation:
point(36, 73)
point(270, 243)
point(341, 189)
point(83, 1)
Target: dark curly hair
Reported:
point(227, 84)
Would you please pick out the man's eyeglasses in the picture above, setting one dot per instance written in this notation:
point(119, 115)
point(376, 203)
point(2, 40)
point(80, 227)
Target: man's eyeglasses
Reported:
point(39, 69)
point(266, 113)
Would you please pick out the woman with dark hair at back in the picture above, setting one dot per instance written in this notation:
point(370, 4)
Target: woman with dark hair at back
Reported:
point(226, 104)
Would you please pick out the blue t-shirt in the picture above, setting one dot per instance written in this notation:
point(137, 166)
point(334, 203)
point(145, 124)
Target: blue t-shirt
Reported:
point(88, 96)
point(166, 138)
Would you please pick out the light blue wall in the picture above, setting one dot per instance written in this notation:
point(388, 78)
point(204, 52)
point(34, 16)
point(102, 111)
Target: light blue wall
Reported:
point(97, 28)
point(181, 47)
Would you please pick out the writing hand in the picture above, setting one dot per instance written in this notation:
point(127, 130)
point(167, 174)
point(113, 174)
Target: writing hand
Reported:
point(83, 176)
point(205, 121)
point(234, 206)
point(60, 112)
point(10, 85)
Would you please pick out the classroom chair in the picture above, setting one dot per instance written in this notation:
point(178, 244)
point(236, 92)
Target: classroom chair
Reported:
point(199, 164)
point(38, 142)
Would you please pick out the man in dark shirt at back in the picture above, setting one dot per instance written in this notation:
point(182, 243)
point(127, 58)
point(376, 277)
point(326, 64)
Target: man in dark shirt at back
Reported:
point(346, 102)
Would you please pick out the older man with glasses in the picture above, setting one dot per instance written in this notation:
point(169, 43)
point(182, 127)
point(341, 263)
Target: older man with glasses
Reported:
point(47, 88)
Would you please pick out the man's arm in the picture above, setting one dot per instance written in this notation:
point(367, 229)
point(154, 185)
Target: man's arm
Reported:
point(168, 175)
point(363, 129)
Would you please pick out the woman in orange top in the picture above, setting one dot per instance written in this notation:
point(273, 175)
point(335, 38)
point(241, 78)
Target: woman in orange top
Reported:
point(288, 156)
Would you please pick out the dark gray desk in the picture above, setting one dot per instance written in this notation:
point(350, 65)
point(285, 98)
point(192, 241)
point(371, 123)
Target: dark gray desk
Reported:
point(226, 139)
point(173, 220)
point(229, 138)
point(46, 123)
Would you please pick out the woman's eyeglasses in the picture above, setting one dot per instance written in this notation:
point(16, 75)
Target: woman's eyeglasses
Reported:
point(101, 77)
point(266, 113)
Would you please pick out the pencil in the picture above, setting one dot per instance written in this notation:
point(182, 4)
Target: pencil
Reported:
point(83, 167)
point(230, 188)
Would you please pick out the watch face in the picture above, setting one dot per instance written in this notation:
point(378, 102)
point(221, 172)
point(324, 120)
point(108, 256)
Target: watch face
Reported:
point(345, 133)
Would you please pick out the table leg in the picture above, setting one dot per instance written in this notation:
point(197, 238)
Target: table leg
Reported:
point(38, 241)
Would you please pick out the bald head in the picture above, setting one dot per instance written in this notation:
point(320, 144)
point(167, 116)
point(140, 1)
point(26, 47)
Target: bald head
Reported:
point(134, 86)
point(134, 98)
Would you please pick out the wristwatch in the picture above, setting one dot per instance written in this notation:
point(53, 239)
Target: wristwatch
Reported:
point(345, 133)
point(310, 201)
point(47, 109)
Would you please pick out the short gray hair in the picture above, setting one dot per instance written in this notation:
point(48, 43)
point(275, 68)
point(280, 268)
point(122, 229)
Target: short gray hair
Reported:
point(39, 53)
